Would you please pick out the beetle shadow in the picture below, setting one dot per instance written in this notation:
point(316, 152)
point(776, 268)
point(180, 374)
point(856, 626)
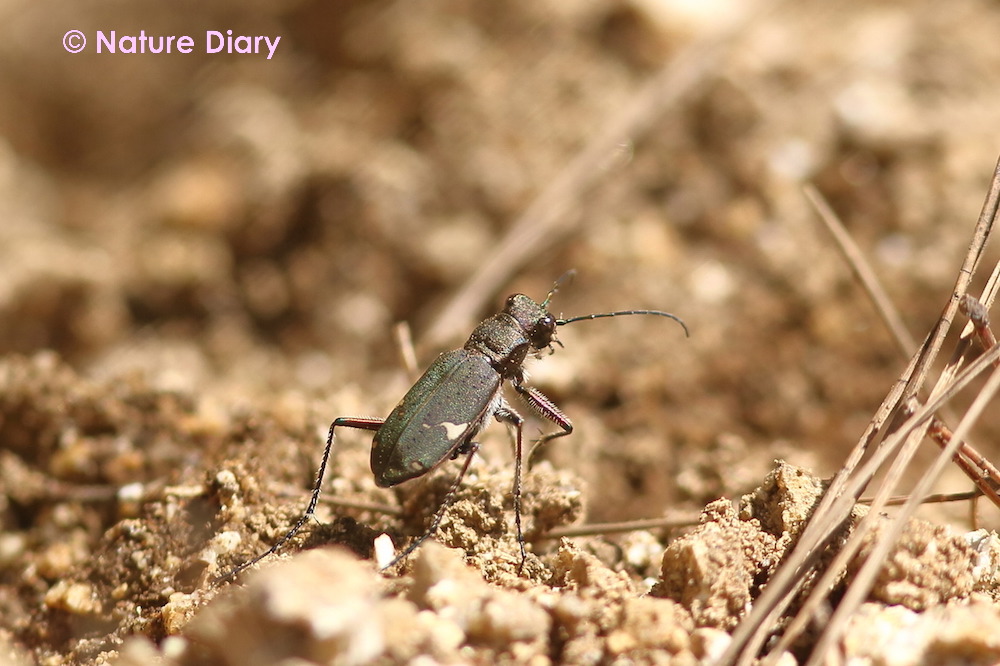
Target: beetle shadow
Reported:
point(343, 531)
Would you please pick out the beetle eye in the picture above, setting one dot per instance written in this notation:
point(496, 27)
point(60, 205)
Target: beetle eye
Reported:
point(544, 331)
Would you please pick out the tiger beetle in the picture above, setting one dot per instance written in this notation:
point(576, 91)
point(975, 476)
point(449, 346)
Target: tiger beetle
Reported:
point(440, 416)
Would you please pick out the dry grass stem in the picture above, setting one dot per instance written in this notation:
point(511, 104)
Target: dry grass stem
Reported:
point(899, 445)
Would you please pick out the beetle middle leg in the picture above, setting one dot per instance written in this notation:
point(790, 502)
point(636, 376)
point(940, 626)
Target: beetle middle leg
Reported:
point(505, 414)
point(359, 422)
point(469, 448)
point(545, 408)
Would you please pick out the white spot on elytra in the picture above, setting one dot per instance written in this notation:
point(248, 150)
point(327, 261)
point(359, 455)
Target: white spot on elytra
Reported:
point(454, 430)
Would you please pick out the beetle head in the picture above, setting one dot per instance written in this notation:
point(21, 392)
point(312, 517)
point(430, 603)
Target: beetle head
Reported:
point(538, 324)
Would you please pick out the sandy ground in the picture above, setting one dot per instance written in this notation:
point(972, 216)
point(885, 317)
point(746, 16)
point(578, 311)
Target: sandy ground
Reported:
point(203, 257)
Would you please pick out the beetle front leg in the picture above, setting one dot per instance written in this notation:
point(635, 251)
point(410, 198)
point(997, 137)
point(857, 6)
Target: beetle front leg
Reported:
point(359, 422)
point(544, 407)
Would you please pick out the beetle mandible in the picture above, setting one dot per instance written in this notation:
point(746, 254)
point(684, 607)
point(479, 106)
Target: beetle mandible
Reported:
point(439, 417)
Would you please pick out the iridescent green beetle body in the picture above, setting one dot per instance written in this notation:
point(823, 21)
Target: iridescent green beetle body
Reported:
point(448, 406)
point(443, 411)
point(440, 416)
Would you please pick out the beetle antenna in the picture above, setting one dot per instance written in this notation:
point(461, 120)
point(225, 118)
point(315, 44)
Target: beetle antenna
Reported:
point(565, 277)
point(658, 313)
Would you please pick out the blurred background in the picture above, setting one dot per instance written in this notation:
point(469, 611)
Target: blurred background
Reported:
point(248, 232)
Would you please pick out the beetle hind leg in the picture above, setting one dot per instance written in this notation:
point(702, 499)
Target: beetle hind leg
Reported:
point(358, 422)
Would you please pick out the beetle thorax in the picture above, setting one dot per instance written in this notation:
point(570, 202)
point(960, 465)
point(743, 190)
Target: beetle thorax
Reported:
point(508, 336)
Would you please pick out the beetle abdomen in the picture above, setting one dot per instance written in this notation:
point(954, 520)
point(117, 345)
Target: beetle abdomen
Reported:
point(445, 408)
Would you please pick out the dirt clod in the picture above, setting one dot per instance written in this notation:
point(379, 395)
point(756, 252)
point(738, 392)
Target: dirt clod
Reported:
point(319, 606)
